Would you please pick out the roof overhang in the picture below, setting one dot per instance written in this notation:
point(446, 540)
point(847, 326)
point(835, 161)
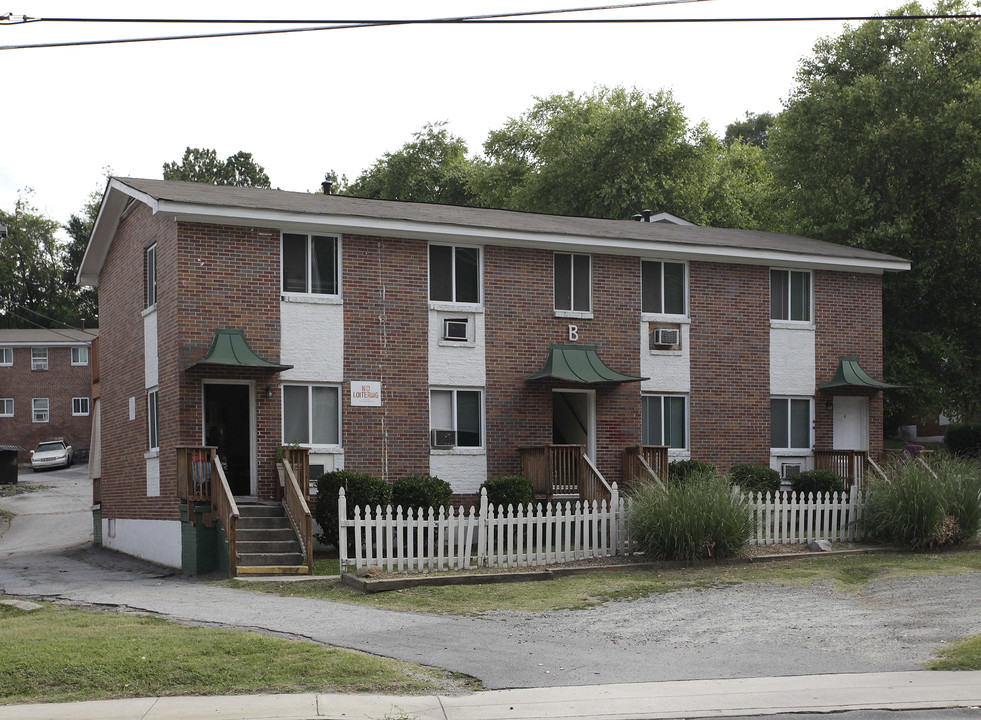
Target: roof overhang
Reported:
point(851, 375)
point(579, 364)
point(229, 349)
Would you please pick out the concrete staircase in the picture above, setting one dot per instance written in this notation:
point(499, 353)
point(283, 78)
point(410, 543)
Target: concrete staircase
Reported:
point(265, 541)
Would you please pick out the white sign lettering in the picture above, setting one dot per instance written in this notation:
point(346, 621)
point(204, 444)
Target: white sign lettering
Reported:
point(573, 333)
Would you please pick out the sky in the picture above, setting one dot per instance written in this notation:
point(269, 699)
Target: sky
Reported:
point(306, 103)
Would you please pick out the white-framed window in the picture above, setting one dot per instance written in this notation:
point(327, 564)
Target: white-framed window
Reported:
point(460, 412)
point(6, 407)
point(152, 419)
point(663, 288)
point(80, 356)
point(573, 282)
point(40, 407)
point(150, 278)
point(39, 358)
point(311, 264)
point(454, 274)
point(790, 295)
point(311, 414)
point(790, 423)
point(80, 406)
point(664, 420)
point(6, 356)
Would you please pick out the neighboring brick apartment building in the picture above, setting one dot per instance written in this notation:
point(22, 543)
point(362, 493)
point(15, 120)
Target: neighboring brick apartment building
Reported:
point(45, 388)
point(402, 338)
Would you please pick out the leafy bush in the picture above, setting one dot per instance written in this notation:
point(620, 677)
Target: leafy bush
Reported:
point(817, 482)
point(513, 490)
point(680, 471)
point(421, 492)
point(360, 490)
point(914, 509)
point(963, 439)
point(686, 521)
point(755, 478)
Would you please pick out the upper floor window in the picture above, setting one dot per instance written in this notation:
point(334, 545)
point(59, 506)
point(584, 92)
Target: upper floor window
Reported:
point(664, 420)
point(459, 413)
point(39, 358)
point(80, 406)
point(663, 287)
point(6, 407)
point(152, 417)
point(80, 356)
point(150, 281)
point(311, 414)
point(573, 282)
point(40, 408)
point(310, 264)
point(454, 274)
point(790, 423)
point(6, 356)
point(790, 295)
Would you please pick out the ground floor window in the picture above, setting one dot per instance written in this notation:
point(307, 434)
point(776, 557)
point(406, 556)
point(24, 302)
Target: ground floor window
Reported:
point(40, 407)
point(80, 406)
point(664, 420)
point(6, 407)
point(311, 414)
point(790, 423)
point(458, 412)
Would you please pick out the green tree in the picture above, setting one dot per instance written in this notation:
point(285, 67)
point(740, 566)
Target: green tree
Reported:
point(879, 146)
point(432, 167)
point(753, 130)
point(79, 228)
point(203, 166)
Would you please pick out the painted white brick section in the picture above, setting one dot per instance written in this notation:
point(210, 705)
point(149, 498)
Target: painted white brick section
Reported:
point(464, 473)
point(312, 341)
point(153, 477)
point(156, 540)
point(792, 365)
point(150, 364)
point(454, 363)
point(667, 371)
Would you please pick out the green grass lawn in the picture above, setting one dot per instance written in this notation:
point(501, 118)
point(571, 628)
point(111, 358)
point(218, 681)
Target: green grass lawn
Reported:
point(963, 655)
point(60, 655)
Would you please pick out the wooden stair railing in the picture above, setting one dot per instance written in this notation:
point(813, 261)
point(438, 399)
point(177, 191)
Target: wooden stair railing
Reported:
point(592, 485)
point(298, 512)
point(850, 465)
point(645, 462)
point(224, 504)
point(201, 479)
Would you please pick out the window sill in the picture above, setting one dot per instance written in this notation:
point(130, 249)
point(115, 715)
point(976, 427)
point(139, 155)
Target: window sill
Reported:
point(791, 325)
point(455, 307)
point(472, 451)
point(325, 449)
point(574, 314)
point(149, 311)
point(670, 353)
point(679, 454)
point(661, 317)
point(152, 454)
point(456, 343)
point(791, 452)
point(310, 299)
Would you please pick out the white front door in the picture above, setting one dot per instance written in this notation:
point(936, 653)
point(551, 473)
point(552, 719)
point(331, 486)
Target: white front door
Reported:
point(851, 423)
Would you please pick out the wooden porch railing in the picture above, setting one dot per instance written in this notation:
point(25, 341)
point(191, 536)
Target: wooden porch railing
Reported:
point(852, 466)
point(298, 511)
point(201, 479)
point(299, 459)
point(648, 462)
point(563, 470)
point(223, 501)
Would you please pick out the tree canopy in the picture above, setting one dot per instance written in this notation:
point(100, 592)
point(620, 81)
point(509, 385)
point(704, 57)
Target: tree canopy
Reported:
point(203, 166)
point(879, 146)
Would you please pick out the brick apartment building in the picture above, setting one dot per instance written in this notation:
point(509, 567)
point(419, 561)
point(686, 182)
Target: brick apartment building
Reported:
point(402, 338)
point(45, 388)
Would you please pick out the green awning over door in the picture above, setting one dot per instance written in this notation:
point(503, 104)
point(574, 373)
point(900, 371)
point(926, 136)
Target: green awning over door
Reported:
point(851, 374)
point(579, 364)
point(229, 349)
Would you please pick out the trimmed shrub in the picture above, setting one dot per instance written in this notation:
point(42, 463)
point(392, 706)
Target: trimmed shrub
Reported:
point(680, 471)
point(421, 492)
point(963, 439)
point(817, 481)
point(513, 490)
point(755, 478)
point(360, 490)
point(687, 521)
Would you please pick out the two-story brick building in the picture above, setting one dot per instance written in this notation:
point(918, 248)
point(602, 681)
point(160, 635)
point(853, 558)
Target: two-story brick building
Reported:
point(402, 338)
point(45, 388)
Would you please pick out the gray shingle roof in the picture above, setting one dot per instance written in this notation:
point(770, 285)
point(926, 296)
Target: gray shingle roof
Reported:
point(39, 336)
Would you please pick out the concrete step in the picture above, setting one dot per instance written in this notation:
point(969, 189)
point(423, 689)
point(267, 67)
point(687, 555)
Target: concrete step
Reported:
point(267, 546)
point(261, 510)
point(272, 570)
point(259, 534)
point(265, 559)
point(263, 522)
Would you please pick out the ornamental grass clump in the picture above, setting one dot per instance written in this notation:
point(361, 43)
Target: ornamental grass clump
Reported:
point(919, 511)
point(700, 518)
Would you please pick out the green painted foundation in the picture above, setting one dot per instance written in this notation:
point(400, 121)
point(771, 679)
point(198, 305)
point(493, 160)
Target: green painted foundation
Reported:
point(97, 524)
point(199, 543)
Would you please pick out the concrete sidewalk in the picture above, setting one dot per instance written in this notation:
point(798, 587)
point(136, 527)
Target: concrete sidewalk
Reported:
point(680, 699)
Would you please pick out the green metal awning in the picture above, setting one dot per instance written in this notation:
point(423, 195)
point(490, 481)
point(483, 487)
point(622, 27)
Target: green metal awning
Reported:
point(229, 349)
point(851, 374)
point(579, 364)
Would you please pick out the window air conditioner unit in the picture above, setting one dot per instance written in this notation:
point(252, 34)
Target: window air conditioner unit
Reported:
point(455, 329)
point(663, 336)
point(788, 470)
point(40, 417)
point(443, 438)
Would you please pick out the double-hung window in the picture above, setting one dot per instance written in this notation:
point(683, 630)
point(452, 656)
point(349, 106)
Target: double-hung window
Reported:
point(80, 406)
point(311, 414)
point(80, 356)
point(573, 282)
point(664, 420)
point(460, 412)
point(39, 358)
point(663, 287)
point(150, 280)
point(6, 407)
point(454, 274)
point(152, 417)
point(6, 356)
point(790, 295)
point(790, 423)
point(310, 264)
point(40, 410)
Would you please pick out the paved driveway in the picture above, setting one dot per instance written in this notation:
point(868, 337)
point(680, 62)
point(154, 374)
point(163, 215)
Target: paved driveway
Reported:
point(743, 631)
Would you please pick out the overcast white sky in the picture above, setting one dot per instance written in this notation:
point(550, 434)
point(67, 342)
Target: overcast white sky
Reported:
point(306, 103)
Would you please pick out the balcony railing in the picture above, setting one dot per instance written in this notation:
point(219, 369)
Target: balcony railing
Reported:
point(645, 462)
point(852, 466)
point(563, 470)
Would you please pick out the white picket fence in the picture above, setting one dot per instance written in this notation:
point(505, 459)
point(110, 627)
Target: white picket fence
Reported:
point(506, 537)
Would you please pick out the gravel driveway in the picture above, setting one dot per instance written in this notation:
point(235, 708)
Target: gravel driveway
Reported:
point(747, 630)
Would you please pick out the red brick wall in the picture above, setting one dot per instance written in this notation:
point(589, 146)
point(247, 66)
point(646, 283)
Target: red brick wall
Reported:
point(386, 339)
point(730, 363)
point(59, 383)
point(848, 319)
